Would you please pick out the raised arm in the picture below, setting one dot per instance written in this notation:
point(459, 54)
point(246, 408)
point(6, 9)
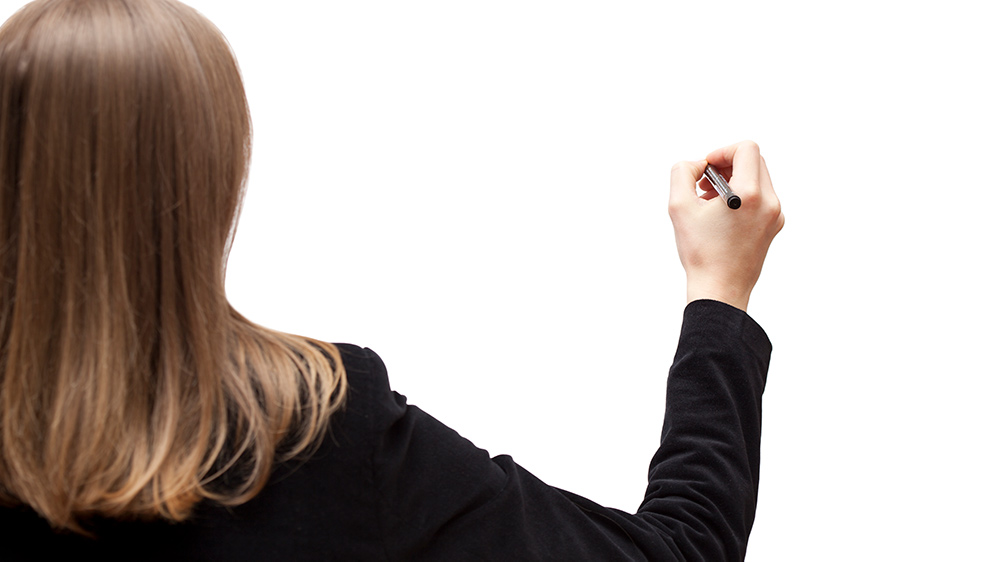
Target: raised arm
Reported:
point(441, 498)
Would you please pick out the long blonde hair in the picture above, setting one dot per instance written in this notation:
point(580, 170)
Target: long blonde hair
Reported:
point(128, 384)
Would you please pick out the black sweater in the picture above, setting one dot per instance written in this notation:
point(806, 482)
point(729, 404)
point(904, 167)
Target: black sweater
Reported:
point(392, 483)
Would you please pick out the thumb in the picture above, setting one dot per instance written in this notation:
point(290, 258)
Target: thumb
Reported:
point(684, 178)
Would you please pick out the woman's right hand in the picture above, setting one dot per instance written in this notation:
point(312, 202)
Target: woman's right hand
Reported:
point(722, 250)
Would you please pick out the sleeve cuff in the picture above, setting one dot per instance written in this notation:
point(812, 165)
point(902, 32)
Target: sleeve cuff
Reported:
point(716, 321)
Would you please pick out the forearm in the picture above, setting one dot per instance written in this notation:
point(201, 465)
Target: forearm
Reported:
point(703, 479)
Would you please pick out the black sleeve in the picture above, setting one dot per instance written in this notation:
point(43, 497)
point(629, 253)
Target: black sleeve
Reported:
point(441, 498)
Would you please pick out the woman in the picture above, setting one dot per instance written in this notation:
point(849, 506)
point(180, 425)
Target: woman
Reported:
point(142, 417)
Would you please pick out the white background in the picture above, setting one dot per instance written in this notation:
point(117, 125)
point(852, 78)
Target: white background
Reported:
point(477, 191)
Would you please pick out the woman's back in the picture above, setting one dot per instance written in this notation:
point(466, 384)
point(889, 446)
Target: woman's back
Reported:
point(390, 482)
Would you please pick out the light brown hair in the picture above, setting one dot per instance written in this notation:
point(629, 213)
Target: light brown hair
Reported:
point(128, 384)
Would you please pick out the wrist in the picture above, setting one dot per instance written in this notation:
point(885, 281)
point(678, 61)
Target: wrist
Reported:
point(697, 290)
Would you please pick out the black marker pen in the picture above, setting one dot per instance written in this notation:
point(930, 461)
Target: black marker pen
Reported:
point(720, 185)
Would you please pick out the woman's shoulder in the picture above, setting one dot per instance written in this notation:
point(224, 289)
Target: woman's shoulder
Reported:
point(371, 406)
point(359, 360)
point(367, 378)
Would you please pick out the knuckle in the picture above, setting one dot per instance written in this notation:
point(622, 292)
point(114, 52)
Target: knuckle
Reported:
point(749, 145)
point(673, 209)
point(751, 198)
point(773, 213)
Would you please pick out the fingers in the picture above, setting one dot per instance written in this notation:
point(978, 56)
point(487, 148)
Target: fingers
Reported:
point(684, 177)
point(745, 161)
point(726, 156)
point(707, 188)
point(742, 166)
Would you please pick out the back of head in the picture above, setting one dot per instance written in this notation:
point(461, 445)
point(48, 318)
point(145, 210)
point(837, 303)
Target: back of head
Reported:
point(127, 382)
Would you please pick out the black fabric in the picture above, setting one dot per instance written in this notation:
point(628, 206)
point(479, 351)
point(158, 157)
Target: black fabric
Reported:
point(392, 483)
